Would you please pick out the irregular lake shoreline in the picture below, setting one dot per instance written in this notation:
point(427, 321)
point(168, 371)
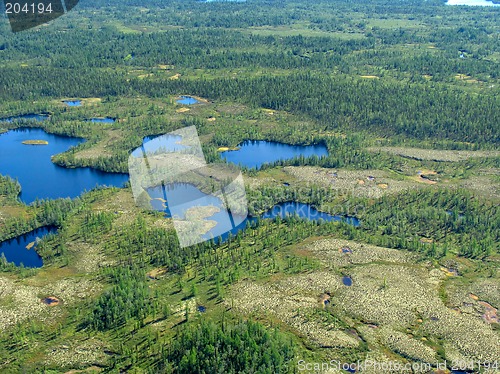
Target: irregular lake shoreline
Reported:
point(255, 153)
point(38, 176)
point(22, 249)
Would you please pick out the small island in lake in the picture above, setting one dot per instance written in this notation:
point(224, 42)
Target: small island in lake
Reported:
point(226, 149)
point(36, 142)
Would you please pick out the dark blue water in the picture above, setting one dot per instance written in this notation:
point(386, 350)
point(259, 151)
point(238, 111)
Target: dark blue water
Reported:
point(187, 196)
point(38, 176)
point(27, 117)
point(73, 102)
point(103, 120)
point(187, 100)
point(254, 154)
point(347, 281)
point(15, 249)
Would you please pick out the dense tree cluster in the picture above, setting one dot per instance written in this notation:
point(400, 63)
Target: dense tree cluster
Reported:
point(246, 347)
point(41, 213)
point(9, 188)
point(128, 299)
point(451, 219)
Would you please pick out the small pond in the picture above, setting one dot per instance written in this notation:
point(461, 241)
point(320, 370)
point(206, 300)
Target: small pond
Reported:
point(73, 102)
point(255, 153)
point(187, 100)
point(347, 281)
point(306, 211)
point(22, 250)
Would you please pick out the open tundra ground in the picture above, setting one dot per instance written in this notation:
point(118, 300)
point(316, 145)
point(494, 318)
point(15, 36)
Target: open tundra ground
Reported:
point(395, 303)
point(436, 154)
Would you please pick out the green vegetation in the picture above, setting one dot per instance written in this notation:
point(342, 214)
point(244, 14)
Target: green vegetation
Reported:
point(128, 299)
point(244, 348)
point(450, 219)
point(403, 94)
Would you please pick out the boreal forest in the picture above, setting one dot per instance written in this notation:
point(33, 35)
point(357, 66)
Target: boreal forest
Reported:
point(367, 134)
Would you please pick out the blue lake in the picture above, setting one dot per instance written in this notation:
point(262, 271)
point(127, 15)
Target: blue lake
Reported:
point(103, 120)
point(224, 1)
point(187, 196)
point(26, 117)
point(31, 165)
point(187, 100)
point(73, 102)
point(177, 198)
point(15, 250)
point(253, 154)
point(472, 3)
point(347, 281)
